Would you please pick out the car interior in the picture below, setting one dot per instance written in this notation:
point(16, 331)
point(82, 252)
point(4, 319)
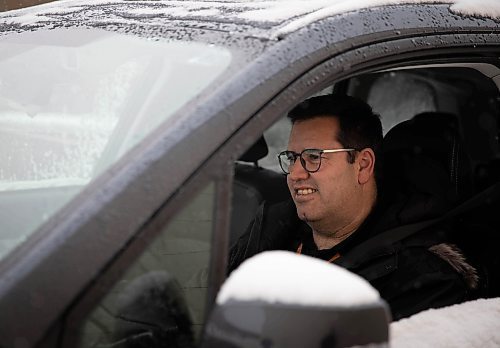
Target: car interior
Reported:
point(440, 150)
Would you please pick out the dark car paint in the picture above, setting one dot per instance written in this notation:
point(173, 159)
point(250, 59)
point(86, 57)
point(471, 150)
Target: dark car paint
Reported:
point(254, 324)
point(104, 218)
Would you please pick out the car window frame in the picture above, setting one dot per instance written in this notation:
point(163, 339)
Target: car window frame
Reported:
point(364, 57)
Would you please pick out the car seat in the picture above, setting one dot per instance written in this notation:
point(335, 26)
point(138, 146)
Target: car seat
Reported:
point(426, 168)
point(252, 185)
point(427, 172)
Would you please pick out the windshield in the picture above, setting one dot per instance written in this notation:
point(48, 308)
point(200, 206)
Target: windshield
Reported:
point(72, 102)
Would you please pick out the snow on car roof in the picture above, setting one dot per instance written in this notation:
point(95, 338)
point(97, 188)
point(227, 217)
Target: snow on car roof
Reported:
point(268, 19)
point(287, 278)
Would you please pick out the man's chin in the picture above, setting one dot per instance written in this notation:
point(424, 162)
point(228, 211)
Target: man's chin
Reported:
point(305, 216)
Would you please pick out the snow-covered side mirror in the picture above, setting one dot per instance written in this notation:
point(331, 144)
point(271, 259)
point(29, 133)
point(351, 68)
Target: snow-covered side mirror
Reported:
point(280, 299)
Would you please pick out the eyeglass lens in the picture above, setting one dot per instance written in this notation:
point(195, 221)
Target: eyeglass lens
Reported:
point(310, 160)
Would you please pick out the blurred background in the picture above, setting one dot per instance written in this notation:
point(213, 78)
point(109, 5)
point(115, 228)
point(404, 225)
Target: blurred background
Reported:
point(6, 5)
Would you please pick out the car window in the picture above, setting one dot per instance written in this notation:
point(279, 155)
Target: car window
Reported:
point(161, 296)
point(397, 96)
point(276, 137)
point(277, 140)
point(72, 112)
point(401, 94)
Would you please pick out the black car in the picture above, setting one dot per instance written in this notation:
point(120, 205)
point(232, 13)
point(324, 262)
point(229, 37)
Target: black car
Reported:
point(134, 136)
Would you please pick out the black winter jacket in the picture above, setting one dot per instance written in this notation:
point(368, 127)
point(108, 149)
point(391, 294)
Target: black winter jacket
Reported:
point(420, 272)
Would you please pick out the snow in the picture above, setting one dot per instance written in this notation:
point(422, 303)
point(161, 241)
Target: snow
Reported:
point(287, 278)
point(312, 10)
point(276, 11)
point(284, 15)
point(328, 8)
point(42, 184)
point(470, 324)
point(484, 8)
point(185, 12)
point(332, 8)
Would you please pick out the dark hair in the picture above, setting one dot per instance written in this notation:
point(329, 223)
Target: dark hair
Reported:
point(359, 126)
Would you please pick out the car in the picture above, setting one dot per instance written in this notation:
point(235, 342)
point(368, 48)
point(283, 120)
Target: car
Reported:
point(138, 138)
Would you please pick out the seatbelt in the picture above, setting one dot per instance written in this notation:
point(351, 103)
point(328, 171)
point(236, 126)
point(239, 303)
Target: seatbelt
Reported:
point(375, 244)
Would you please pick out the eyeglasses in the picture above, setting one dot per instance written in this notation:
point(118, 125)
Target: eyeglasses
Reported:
point(309, 158)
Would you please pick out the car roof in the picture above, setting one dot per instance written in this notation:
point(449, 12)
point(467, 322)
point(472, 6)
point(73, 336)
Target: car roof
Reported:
point(266, 19)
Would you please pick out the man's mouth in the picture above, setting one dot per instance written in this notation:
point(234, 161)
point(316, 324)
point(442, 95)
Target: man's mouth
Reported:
point(303, 192)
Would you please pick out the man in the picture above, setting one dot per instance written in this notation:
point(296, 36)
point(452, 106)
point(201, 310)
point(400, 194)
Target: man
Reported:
point(332, 174)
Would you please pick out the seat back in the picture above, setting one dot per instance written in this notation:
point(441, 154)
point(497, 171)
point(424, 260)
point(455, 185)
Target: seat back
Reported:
point(426, 167)
point(252, 185)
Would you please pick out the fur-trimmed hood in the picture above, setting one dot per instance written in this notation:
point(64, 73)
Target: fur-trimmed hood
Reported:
point(454, 256)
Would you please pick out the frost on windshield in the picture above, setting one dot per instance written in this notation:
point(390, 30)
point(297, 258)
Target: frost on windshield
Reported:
point(73, 102)
point(54, 136)
point(58, 108)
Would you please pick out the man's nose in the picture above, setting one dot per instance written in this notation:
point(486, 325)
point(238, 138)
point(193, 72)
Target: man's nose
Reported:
point(297, 172)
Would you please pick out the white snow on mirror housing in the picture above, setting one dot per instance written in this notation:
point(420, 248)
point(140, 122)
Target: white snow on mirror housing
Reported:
point(280, 299)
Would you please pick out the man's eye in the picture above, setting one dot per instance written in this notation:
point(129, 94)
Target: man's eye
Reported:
point(312, 157)
point(290, 157)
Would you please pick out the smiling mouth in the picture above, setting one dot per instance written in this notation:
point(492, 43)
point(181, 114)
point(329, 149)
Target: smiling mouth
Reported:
point(304, 192)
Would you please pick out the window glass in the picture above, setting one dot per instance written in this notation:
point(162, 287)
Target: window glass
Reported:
point(277, 141)
point(464, 92)
point(396, 96)
point(71, 104)
point(277, 138)
point(160, 300)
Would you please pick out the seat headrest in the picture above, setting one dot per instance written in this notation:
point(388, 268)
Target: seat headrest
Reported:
point(425, 158)
point(256, 152)
point(431, 134)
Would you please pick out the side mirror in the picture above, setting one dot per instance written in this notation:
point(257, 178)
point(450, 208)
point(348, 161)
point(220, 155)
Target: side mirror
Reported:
point(280, 299)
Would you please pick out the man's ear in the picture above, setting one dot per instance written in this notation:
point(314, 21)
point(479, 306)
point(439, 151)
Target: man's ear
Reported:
point(366, 165)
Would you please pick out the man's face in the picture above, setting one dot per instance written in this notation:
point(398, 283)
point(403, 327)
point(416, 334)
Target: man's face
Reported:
point(329, 196)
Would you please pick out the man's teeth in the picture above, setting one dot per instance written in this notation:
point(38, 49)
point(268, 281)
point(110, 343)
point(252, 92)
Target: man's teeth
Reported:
point(305, 191)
